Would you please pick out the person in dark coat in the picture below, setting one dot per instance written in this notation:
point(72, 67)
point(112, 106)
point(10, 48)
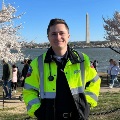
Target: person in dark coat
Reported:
point(24, 71)
point(7, 77)
point(26, 63)
point(95, 64)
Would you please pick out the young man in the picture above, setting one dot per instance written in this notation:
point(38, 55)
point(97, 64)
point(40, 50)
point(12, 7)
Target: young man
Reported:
point(7, 77)
point(62, 85)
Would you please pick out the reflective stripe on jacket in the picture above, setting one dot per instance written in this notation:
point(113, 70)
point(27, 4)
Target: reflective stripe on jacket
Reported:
point(37, 86)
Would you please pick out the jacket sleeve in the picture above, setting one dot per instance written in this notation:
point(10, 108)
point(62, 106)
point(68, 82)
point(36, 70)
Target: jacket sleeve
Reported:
point(9, 72)
point(92, 86)
point(108, 70)
point(31, 89)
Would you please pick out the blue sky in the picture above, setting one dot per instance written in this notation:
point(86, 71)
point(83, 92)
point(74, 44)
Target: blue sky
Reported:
point(39, 13)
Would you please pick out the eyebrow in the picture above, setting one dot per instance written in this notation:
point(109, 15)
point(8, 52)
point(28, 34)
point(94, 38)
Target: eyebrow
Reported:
point(57, 32)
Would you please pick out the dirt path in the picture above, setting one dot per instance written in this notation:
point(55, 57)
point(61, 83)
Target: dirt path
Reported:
point(14, 105)
point(107, 89)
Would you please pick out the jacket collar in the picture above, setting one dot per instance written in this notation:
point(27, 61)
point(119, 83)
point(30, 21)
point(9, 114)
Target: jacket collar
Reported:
point(69, 54)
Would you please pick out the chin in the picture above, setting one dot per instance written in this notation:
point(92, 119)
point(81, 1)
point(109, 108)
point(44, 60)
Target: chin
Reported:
point(59, 47)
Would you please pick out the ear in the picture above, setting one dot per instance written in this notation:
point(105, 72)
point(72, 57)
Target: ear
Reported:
point(48, 37)
point(69, 36)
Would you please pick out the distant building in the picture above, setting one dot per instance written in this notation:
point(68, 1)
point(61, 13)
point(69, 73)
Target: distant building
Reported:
point(87, 29)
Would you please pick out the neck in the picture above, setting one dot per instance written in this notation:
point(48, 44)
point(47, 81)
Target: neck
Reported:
point(60, 52)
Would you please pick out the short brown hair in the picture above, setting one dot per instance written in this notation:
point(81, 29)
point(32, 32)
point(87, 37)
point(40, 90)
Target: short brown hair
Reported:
point(55, 22)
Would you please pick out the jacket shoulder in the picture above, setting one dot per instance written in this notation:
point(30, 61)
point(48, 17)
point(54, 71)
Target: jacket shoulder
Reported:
point(35, 61)
point(85, 58)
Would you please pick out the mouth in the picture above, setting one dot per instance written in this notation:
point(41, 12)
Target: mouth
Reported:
point(59, 42)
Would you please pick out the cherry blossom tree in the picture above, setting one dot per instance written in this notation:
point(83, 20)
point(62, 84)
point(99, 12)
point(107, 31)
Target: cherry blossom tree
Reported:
point(112, 27)
point(10, 46)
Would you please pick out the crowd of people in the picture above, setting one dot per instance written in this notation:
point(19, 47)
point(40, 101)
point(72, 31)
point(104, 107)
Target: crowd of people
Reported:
point(12, 75)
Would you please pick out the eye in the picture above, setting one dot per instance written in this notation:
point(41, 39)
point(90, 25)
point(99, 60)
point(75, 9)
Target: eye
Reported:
point(61, 33)
point(53, 34)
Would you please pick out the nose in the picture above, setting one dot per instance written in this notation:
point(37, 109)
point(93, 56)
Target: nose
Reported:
point(58, 36)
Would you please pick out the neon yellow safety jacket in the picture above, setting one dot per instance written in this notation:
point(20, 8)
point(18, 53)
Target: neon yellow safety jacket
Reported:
point(37, 86)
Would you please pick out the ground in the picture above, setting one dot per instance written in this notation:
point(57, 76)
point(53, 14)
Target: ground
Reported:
point(19, 106)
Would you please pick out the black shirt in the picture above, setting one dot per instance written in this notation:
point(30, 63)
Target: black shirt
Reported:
point(64, 102)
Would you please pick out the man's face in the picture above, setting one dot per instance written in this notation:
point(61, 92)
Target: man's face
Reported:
point(58, 36)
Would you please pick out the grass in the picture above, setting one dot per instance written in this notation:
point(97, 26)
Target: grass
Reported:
point(108, 107)
point(13, 117)
point(108, 104)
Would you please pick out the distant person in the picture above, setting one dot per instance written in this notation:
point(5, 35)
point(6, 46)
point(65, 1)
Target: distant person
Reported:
point(113, 71)
point(61, 84)
point(14, 78)
point(7, 77)
point(91, 64)
point(119, 63)
point(95, 64)
point(25, 69)
point(29, 61)
point(108, 70)
point(29, 69)
point(18, 76)
point(110, 65)
point(111, 61)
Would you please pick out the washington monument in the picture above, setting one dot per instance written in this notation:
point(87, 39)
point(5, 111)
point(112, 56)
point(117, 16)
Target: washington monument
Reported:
point(87, 29)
